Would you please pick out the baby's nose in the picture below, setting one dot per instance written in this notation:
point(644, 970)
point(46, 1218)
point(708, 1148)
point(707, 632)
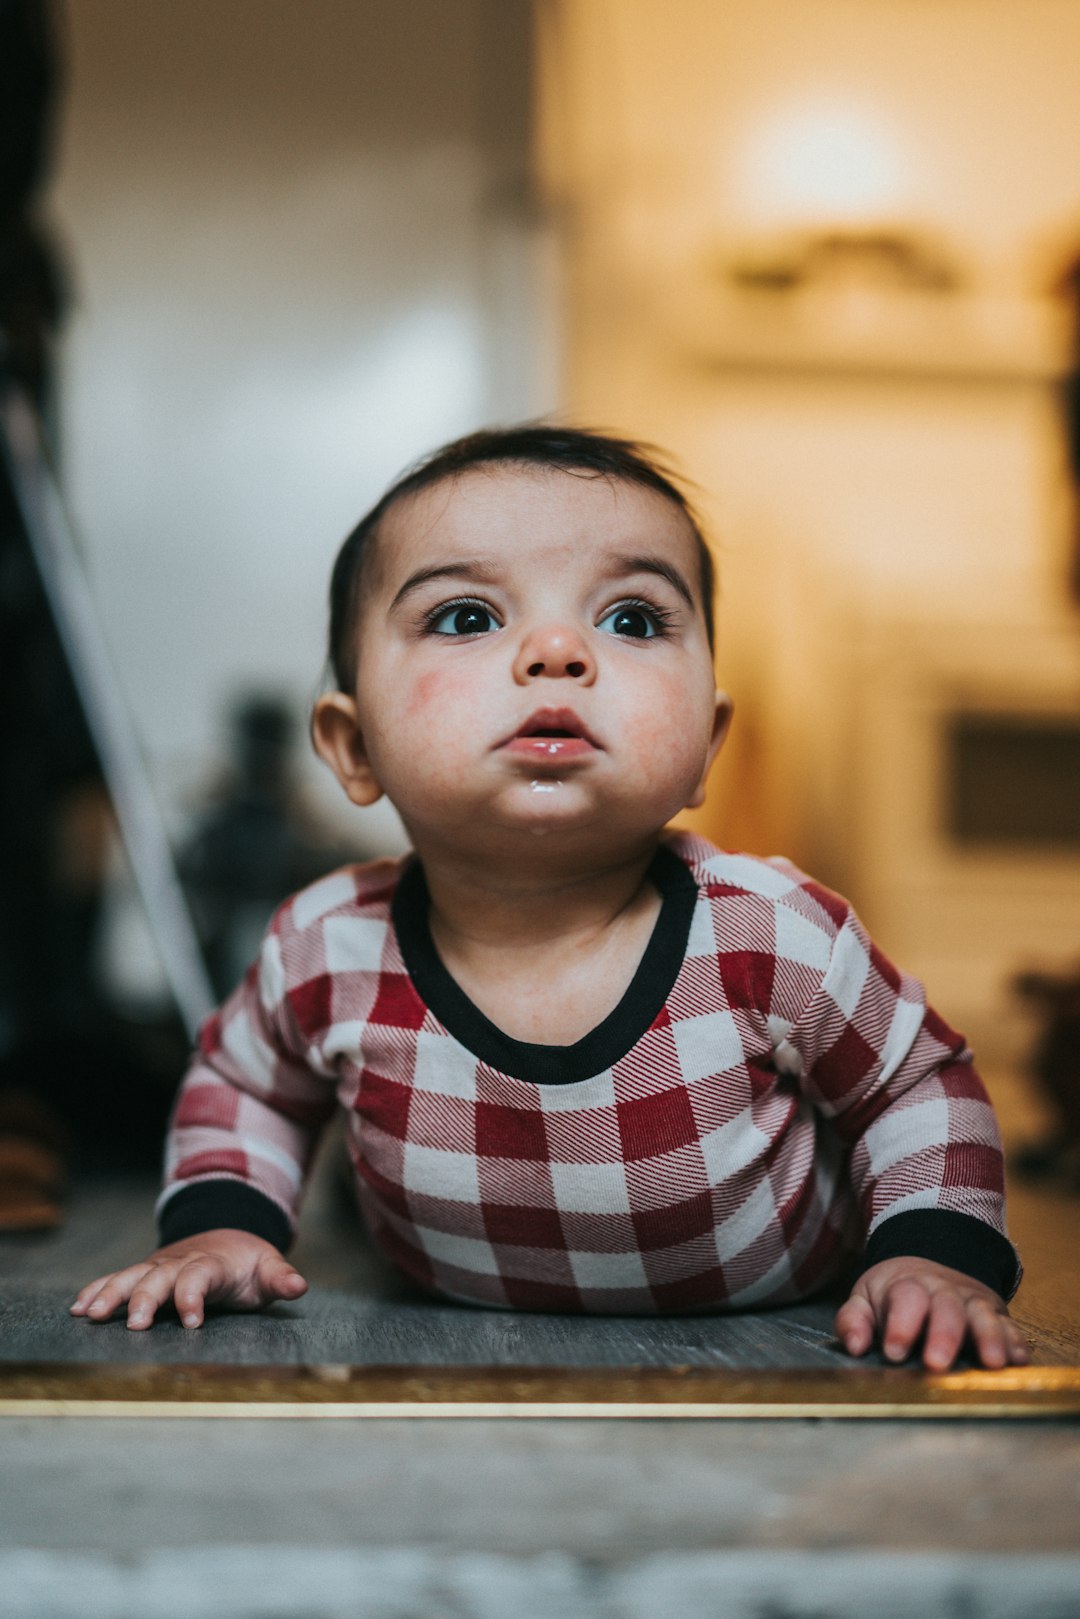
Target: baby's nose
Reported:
point(553, 651)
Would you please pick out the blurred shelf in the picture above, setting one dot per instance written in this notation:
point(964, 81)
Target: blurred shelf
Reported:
point(867, 334)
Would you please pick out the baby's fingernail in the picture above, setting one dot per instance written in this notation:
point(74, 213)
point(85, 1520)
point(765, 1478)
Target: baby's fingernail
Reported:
point(191, 1319)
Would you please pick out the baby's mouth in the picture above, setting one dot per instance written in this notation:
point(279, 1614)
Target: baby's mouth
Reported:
point(552, 733)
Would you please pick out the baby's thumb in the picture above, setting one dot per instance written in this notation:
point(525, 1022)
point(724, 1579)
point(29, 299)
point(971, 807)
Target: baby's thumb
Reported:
point(278, 1279)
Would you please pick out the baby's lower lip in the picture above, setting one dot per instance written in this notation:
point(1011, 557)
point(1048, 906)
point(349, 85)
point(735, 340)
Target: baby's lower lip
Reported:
point(550, 747)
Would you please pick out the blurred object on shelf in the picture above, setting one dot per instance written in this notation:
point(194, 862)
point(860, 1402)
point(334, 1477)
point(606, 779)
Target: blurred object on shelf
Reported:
point(898, 259)
point(1066, 287)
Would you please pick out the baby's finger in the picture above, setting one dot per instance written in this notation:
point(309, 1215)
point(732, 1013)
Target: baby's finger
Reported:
point(1018, 1346)
point(854, 1324)
point(154, 1290)
point(86, 1295)
point(906, 1308)
point(946, 1330)
point(199, 1280)
point(997, 1341)
point(117, 1290)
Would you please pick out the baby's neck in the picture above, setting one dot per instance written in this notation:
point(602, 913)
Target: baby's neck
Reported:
point(480, 909)
point(544, 960)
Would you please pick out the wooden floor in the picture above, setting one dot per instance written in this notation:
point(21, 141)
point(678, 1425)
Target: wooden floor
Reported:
point(360, 1312)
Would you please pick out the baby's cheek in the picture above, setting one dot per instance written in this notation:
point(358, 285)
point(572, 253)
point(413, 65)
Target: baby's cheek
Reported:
point(425, 689)
point(439, 708)
point(671, 753)
point(432, 705)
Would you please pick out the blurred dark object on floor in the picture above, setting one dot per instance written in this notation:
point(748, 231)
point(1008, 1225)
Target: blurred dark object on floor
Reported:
point(106, 1083)
point(254, 844)
point(1055, 1066)
point(34, 1148)
point(73, 1078)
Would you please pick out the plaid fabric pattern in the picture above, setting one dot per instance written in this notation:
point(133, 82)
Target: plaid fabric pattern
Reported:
point(794, 1092)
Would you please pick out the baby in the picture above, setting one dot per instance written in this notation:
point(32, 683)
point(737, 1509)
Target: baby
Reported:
point(586, 1064)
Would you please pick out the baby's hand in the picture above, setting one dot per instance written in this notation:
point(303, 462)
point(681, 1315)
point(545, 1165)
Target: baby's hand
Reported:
point(216, 1267)
point(898, 1298)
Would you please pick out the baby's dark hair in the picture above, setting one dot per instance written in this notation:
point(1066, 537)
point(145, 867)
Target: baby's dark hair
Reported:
point(569, 449)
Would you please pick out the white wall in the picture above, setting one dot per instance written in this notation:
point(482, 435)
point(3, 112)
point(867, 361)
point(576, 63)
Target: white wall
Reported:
point(303, 256)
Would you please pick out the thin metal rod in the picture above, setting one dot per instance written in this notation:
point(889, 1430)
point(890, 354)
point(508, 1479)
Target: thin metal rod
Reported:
point(107, 715)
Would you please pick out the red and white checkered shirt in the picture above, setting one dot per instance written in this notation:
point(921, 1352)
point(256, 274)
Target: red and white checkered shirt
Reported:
point(770, 1092)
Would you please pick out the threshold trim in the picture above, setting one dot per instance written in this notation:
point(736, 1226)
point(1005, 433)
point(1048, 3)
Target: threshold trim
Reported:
point(342, 1392)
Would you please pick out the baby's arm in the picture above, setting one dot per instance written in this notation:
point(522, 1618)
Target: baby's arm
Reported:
point(899, 1299)
point(924, 1159)
point(232, 1268)
point(242, 1134)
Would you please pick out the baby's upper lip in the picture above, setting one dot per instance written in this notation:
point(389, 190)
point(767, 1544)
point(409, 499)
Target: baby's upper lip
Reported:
point(553, 722)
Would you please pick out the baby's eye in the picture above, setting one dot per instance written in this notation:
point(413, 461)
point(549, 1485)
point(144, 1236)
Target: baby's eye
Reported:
point(631, 619)
point(462, 618)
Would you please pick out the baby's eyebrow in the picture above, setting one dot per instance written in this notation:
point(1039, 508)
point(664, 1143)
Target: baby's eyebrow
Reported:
point(652, 564)
point(487, 573)
point(483, 573)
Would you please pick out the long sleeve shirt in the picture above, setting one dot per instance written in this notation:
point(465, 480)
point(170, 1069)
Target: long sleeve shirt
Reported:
point(770, 1099)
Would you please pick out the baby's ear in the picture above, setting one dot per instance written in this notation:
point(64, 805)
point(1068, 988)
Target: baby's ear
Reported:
point(721, 721)
point(338, 739)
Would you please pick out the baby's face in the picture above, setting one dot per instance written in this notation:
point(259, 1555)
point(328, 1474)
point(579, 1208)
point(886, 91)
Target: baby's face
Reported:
point(533, 657)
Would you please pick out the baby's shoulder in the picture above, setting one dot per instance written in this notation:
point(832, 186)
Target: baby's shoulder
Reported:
point(336, 931)
point(753, 886)
point(361, 893)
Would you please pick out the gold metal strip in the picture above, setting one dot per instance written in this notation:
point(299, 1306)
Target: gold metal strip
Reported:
point(443, 1392)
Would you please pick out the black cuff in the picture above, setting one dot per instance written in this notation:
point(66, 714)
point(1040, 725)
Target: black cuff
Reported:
point(210, 1205)
point(957, 1240)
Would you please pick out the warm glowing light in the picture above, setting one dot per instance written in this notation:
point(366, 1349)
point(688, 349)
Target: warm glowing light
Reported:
point(822, 164)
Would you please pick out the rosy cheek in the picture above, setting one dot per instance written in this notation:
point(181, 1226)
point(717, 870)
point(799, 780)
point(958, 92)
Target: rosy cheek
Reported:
point(440, 692)
point(424, 691)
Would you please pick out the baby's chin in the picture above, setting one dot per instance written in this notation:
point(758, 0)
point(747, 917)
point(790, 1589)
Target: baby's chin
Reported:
point(542, 808)
point(534, 819)
point(554, 814)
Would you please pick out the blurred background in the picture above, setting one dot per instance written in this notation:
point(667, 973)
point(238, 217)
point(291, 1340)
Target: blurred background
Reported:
point(827, 256)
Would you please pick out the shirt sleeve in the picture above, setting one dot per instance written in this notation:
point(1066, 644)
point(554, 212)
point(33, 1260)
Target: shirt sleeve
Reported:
point(249, 1113)
point(899, 1087)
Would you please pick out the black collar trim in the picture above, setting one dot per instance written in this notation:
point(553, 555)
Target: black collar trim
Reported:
point(594, 1052)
